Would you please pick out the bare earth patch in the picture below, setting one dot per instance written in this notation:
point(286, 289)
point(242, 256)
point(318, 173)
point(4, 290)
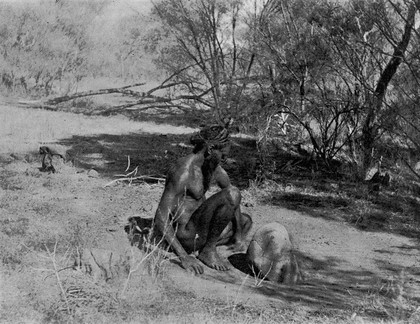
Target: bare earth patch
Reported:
point(351, 276)
point(26, 129)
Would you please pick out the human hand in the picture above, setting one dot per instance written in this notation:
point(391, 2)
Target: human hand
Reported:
point(190, 263)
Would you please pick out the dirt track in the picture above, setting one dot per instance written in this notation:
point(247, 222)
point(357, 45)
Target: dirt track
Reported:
point(342, 265)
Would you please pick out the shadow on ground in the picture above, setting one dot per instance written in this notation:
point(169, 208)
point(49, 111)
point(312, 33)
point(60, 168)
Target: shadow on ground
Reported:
point(151, 153)
point(330, 197)
point(324, 289)
point(386, 211)
point(112, 154)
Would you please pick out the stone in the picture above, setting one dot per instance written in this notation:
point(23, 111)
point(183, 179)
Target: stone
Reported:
point(92, 173)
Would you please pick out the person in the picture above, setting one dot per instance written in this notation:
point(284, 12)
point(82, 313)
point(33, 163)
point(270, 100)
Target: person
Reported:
point(189, 222)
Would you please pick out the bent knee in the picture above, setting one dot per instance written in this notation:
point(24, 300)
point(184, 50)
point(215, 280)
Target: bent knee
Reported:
point(234, 195)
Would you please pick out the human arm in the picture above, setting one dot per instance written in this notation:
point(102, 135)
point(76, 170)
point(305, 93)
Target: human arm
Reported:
point(241, 222)
point(221, 177)
point(164, 224)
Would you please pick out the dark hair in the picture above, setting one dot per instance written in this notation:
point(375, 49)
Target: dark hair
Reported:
point(216, 136)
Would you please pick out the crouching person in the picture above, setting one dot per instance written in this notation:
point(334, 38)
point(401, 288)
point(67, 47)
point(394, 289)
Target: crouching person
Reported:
point(189, 222)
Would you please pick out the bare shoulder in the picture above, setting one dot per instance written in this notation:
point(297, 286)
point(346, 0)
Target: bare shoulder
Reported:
point(179, 171)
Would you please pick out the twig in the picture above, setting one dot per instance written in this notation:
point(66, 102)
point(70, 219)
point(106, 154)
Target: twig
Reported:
point(134, 172)
point(131, 179)
point(52, 256)
point(235, 302)
point(131, 176)
point(257, 280)
point(128, 163)
point(135, 265)
point(411, 168)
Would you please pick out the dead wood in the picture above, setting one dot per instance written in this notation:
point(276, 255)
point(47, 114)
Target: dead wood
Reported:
point(123, 90)
point(147, 99)
point(413, 171)
point(133, 179)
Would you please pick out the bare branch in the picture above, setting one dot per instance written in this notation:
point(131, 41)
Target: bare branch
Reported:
point(123, 90)
point(411, 168)
point(131, 179)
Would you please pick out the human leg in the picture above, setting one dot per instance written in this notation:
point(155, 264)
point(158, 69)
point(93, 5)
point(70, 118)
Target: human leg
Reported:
point(211, 221)
point(241, 226)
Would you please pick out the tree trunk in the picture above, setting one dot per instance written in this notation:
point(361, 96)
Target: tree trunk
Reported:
point(370, 130)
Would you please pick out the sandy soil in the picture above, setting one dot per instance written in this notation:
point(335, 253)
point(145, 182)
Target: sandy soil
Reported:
point(343, 267)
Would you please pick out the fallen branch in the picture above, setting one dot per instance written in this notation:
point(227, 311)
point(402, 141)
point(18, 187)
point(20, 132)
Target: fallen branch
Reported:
point(37, 104)
point(132, 175)
point(123, 90)
point(131, 179)
point(151, 105)
point(411, 168)
point(143, 98)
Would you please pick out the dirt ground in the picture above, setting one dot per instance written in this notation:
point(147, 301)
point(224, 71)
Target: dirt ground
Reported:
point(350, 275)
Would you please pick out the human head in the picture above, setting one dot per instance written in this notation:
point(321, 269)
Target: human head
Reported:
point(213, 137)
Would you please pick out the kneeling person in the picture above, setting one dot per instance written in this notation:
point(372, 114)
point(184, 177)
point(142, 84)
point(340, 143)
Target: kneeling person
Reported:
point(187, 220)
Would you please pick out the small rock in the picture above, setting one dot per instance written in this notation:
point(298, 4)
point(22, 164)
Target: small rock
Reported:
point(92, 173)
point(6, 158)
point(18, 156)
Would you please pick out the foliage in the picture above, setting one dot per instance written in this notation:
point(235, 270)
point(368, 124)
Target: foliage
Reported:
point(329, 68)
point(204, 52)
point(371, 47)
point(45, 44)
point(309, 71)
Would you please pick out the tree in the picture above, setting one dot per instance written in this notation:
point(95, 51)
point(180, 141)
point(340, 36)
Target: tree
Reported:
point(370, 40)
point(42, 45)
point(298, 77)
point(202, 53)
